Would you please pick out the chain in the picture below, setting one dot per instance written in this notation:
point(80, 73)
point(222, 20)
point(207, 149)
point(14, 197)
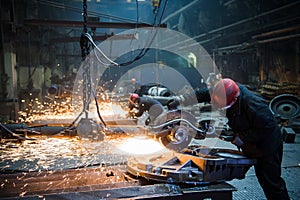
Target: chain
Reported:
point(84, 43)
point(83, 40)
point(84, 16)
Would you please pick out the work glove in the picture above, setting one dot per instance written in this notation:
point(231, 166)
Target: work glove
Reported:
point(237, 141)
point(175, 102)
point(248, 149)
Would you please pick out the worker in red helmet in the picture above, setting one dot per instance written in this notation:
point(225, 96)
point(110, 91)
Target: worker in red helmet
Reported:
point(140, 104)
point(256, 131)
point(225, 93)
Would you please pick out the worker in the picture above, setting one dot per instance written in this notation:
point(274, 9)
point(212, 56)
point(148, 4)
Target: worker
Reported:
point(256, 131)
point(140, 104)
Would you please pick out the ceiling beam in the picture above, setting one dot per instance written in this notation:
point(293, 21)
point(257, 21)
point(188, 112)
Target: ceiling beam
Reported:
point(284, 30)
point(96, 38)
point(65, 23)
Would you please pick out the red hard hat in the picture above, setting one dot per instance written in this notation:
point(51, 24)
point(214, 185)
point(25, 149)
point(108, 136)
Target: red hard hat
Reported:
point(133, 97)
point(225, 93)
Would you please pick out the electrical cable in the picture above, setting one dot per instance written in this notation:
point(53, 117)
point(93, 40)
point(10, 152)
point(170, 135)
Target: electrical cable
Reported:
point(142, 52)
point(145, 50)
point(139, 56)
point(14, 134)
point(101, 52)
point(97, 106)
point(84, 54)
point(106, 65)
point(176, 121)
point(137, 13)
point(163, 12)
point(156, 11)
point(84, 109)
point(79, 115)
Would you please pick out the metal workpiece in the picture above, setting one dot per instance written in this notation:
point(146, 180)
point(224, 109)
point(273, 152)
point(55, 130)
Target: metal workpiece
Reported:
point(193, 165)
point(90, 129)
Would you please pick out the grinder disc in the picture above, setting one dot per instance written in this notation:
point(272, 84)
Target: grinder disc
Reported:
point(179, 134)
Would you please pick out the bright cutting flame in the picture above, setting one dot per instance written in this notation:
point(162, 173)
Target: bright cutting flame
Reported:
point(141, 145)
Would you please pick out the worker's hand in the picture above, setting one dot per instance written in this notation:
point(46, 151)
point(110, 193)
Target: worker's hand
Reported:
point(249, 149)
point(133, 112)
point(237, 141)
point(173, 104)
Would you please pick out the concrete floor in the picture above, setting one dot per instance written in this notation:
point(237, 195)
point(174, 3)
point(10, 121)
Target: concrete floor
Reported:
point(249, 187)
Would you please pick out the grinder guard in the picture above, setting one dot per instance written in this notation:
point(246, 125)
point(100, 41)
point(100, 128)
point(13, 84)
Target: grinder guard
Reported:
point(175, 129)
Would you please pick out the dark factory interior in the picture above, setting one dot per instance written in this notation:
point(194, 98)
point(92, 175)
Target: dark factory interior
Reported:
point(120, 99)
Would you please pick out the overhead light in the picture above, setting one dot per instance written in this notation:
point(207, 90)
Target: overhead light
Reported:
point(155, 3)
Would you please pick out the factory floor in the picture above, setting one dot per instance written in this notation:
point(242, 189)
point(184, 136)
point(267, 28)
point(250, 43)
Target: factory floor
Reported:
point(56, 154)
point(249, 187)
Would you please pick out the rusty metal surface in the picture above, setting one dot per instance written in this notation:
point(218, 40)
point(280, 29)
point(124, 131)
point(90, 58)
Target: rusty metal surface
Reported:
point(195, 165)
point(62, 181)
point(56, 168)
point(101, 183)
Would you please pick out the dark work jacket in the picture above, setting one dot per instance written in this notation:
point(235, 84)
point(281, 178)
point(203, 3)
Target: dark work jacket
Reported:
point(251, 118)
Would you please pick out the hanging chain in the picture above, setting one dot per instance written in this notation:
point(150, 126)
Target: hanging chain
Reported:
point(83, 40)
point(84, 44)
point(84, 16)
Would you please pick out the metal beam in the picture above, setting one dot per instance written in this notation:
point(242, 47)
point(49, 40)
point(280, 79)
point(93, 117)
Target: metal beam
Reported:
point(276, 32)
point(96, 38)
point(288, 37)
point(64, 23)
point(247, 45)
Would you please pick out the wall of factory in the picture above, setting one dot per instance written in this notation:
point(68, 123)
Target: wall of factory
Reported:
point(273, 62)
point(34, 57)
point(283, 62)
point(10, 69)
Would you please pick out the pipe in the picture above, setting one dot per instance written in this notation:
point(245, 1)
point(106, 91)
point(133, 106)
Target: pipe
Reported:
point(279, 38)
point(276, 32)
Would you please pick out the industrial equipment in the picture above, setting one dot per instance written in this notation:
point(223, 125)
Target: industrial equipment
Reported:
point(176, 128)
point(285, 106)
point(193, 165)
